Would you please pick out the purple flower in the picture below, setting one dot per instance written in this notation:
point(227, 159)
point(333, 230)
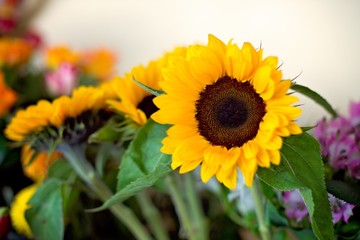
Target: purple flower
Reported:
point(340, 209)
point(341, 150)
point(294, 205)
point(62, 80)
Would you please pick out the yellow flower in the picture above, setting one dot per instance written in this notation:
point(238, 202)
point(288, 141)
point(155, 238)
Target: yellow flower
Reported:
point(37, 168)
point(135, 102)
point(36, 118)
point(18, 208)
point(229, 109)
point(60, 54)
point(14, 51)
point(8, 96)
point(98, 63)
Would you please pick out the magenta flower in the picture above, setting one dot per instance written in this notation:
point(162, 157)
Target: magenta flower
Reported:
point(340, 209)
point(62, 80)
point(295, 207)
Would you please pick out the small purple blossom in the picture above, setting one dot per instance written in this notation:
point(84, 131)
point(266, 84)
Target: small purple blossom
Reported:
point(354, 110)
point(295, 207)
point(340, 209)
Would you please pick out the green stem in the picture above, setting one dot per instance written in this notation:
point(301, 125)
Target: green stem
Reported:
point(76, 158)
point(260, 211)
point(199, 223)
point(152, 216)
point(180, 206)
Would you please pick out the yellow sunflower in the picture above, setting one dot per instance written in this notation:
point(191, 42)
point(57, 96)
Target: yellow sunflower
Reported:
point(229, 109)
point(36, 118)
point(135, 102)
point(18, 209)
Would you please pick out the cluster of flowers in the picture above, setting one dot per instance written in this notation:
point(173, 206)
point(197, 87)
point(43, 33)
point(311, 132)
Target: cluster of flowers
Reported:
point(66, 67)
point(339, 139)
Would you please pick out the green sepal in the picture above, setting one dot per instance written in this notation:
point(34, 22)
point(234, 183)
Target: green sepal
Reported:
point(147, 88)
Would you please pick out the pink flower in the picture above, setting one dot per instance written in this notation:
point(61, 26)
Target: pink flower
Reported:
point(295, 207)
point(62, 80)
point(340, 209)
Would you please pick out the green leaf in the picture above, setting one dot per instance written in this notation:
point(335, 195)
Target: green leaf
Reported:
point(315, 97)
point(348, 192)
point(45, 216)
point(137, 185)
point(301, 168)
point(147, 88)
point(143, 154)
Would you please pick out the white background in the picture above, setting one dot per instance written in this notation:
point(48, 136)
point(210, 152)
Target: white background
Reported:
point(318, 38)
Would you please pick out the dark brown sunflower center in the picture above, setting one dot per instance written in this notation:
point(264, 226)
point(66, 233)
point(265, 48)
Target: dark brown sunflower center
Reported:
point(229, 112)
point(147, 106)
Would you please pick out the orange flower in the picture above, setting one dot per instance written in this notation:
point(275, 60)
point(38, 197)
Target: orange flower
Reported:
point(14, 51)
point(99, 63)
point(58, 55)
point(37, 168)
point(8, 96)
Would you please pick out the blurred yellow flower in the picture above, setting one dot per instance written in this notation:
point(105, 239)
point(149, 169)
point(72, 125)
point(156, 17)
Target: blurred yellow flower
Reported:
point(8, 96)
point(44, 114)
point(57, 55)
point(135, 102)
point(18, 208)
point(36, 168)
point(14, 51)
point(98, 63)
point(229, 109)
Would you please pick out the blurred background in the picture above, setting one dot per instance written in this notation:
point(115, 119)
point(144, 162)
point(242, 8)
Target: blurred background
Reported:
point(320, 40)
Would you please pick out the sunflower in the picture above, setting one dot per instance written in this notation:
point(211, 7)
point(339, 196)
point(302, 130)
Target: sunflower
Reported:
point(80, 115)
point(229, 109)
point(18, 209)
point(135, 102)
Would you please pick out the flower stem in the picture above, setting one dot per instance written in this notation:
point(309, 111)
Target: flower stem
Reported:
point(152, 216)
point(75, 156)
point(260, 211)
point(199, 223)
point(180, 206)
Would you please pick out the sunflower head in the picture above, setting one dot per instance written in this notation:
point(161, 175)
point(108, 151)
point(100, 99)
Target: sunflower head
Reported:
point(229, 108)
point(135, 102)
point(69, 118)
